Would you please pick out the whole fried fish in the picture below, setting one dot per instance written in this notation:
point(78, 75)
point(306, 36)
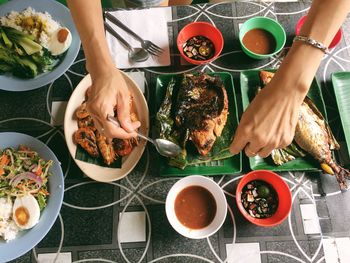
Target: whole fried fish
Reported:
point(313, 135)
point(201, 110)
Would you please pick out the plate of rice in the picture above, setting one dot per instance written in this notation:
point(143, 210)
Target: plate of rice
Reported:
point(31, 193)
point(38, 43)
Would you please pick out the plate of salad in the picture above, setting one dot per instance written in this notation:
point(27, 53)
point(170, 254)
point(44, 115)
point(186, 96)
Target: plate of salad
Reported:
point(31, 193)
point(38, 43)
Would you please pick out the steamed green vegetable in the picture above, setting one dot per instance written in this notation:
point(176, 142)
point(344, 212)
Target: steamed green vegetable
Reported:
point(22, 56)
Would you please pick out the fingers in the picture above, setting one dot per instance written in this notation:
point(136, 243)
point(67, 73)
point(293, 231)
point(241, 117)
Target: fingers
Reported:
point(239, 142)
point(123, 112)
point(251, 150)
point(265, 152)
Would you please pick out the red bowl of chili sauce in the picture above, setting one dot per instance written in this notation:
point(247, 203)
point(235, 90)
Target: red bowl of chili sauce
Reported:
point(206, 37)
point(278, 190)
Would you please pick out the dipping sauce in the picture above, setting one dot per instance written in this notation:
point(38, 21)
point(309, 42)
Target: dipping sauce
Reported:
point(199, 48)
point(259, 41)
point(259, 199)
point(195, 207)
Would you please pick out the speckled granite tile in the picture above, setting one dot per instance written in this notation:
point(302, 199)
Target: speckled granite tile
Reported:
point(26, 258)
point(185, 11)
point(166, 241)
point(133, 255)
point(339, 209)
point(29, 104)
point(247, 229)
point(92, 227)
point(91, 194)
point(244, 9)
point(289, 247)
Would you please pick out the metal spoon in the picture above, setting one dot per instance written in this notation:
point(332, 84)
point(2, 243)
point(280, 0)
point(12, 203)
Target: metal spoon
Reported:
point(164, 147)
point(136, 54)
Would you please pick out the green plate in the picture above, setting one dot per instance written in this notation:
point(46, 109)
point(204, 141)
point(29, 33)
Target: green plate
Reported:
point(250, 81)
point(232, 165)
point(341, 84)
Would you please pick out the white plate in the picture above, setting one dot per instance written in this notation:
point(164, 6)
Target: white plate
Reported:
point(96, 172)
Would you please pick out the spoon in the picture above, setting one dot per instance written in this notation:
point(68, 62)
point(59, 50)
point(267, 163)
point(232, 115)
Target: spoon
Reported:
point(136, 54)
point(164, 147)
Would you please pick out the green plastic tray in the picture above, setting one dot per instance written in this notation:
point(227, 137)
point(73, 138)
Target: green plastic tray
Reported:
point(341, 84)
point(232, 165)
point(250, 81)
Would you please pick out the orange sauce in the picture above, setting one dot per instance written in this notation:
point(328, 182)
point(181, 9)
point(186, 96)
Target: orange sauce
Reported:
point(195, 207)
point(259, 41)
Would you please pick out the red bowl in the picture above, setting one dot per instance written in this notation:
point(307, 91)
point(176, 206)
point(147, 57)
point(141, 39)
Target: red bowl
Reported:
point(283, 193)
point(202, 29)
point(335, 40)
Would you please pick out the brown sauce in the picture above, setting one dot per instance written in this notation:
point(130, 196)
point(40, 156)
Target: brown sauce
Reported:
point(195, 207)
point(259, 41)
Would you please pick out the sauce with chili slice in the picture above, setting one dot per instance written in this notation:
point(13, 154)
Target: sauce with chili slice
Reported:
point(195, 207)
point(259, 41)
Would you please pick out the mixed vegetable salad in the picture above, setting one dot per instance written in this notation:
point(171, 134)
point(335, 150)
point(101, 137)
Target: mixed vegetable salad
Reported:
point(24, 172)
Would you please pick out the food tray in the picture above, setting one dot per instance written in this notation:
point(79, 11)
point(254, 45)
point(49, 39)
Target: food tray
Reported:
point(250, 81)
point(232, 165)
point(341, 84)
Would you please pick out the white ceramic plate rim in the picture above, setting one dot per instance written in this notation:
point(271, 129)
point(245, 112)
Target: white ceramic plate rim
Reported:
point(99, 173)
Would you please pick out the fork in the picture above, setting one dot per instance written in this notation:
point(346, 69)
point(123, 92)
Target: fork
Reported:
point(152, 48)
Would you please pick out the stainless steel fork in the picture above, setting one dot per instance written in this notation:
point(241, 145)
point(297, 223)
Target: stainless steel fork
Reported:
point(146, 44)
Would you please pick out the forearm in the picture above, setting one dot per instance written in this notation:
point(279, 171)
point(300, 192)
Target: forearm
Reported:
point(323, 21)
point(89, 22)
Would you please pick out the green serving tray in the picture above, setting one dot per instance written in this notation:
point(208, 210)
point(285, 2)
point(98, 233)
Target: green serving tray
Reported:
point(232, 165)
point(341, 84)
point(250, 81)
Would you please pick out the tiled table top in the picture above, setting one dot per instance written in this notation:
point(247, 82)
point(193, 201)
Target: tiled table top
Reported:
point(125, 221)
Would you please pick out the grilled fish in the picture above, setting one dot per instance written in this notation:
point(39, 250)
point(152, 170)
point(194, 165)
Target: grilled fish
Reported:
point(313, 135)
point(201, 110)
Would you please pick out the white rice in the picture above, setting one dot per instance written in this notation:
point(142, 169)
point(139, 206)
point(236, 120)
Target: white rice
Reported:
point(49, 26)
point(5, 208)
point(8, 228)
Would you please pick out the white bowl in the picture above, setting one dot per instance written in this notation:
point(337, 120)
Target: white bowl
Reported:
point(96, 172)
point(221, 206)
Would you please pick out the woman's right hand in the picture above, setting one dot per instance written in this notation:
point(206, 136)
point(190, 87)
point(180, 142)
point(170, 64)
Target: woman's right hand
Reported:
point(109, 90)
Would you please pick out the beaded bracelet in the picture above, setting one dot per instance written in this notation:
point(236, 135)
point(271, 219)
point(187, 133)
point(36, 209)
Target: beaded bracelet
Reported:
point(312, 42)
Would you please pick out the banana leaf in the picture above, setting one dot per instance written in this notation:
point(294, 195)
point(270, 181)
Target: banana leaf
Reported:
point(189, 155)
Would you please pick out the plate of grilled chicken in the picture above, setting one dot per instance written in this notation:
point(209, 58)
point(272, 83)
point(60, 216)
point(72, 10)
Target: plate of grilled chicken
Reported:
point(100, 158)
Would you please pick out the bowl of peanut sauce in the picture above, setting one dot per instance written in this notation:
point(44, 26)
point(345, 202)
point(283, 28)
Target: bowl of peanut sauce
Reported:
point(261, 37)
point(196, 207)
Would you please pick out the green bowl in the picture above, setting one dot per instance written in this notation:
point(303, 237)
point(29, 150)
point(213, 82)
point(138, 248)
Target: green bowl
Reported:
point(267, 24)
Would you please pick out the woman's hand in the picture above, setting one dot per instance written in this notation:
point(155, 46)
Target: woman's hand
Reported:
point(109, 90)
point(270, 120)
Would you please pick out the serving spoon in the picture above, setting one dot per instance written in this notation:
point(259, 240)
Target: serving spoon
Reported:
point(164, 147)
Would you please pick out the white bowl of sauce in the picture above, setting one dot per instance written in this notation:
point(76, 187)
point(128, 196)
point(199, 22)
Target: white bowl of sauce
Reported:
point(196, 207)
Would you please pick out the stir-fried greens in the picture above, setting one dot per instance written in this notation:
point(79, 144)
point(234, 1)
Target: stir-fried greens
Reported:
point(23, 172)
